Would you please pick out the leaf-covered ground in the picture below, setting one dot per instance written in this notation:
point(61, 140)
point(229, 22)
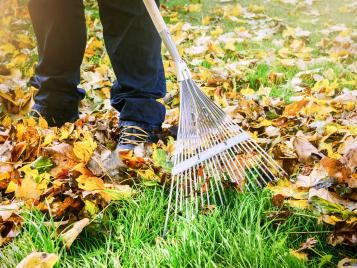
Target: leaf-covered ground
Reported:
point(285, 70)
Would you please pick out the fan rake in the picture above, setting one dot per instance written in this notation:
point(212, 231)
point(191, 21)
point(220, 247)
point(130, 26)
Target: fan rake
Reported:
point(211, 150)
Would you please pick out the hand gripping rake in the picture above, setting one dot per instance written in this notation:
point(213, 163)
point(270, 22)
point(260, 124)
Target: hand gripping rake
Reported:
point(211, 150)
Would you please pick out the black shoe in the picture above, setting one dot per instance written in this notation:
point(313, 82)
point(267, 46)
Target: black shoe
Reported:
point(132, 136)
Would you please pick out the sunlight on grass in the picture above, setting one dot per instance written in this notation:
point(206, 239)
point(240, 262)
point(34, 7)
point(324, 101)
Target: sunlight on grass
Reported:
point(243, 234)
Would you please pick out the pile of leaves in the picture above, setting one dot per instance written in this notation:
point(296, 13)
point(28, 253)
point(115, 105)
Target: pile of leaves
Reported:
point(293, 90)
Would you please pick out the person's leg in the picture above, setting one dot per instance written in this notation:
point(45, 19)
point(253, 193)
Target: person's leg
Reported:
point(134, 47)
point(60, 30)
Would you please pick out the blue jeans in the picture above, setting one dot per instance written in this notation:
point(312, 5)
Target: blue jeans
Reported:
point(134, 48)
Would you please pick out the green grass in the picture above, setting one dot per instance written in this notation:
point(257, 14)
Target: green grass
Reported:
point(128, 235)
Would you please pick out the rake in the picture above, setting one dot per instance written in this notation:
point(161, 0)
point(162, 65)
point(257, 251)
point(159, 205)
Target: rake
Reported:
point(211, 150)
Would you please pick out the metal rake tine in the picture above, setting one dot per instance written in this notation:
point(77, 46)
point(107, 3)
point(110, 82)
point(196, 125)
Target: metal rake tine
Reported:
point(224, 133)
point(213, 105)
point(214, 177)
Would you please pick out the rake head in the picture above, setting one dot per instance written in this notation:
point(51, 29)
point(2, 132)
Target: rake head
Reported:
point(211, 152)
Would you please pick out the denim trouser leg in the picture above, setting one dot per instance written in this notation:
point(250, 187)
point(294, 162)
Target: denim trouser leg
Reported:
point(61, 38)
point(134, 48)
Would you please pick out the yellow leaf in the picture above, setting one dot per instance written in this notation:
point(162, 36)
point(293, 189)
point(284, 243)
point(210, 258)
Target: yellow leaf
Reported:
point(330, 129)
point(6, 122)
point(4, 176)
point(230, 46)
point(236, 11)
point(33, 184)
point(256, 8)
point(90, 183)
point(8, 48)
point(85, 148)
point(91, 207)
point(206, 20)
point(300, 255)
point(299, 204)
point(247, 92)
point(30, 122)
point(330, 219)
point(288, 189)
point(329, 149)
point(20, 131)
point(65, 131)
point(217, 32)
point(11, 187)
point(42, 123)
point(38, 260)
point(194, 8)
point(49, 138)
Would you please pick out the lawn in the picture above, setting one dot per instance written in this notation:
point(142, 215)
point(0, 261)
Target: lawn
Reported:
point(262, 57)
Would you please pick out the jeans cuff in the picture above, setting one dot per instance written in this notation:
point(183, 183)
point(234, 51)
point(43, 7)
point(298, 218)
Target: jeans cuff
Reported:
point(58, 117)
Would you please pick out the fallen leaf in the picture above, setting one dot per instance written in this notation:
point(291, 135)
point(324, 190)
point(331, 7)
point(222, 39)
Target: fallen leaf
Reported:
point(305, 150)
point(335, 169)
point(85, 148)
point(70, 235)
point(299, 255)
point(318, 176)
point(38, 260)
point(90, 183)
point(347, 263)
point(7, 210)
point(294, 108)
point(350, 156)
point(278, 200)
point(308, 244)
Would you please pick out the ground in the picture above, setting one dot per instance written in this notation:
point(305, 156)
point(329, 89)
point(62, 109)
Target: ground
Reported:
point(285, 70)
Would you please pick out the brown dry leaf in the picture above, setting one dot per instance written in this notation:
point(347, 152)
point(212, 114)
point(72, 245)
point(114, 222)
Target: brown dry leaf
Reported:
point(18, 150)
point(305, 150)
point(71, 235)
point(317, 176)
point(67, 203)
point(38, 260)
point(63, 156)
point(278, 200)
point(308, 244)
point(294, 108)
point(7, 210)
point(131, 160)
point(345, 233)
point(350, 156)
point(335, 169)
